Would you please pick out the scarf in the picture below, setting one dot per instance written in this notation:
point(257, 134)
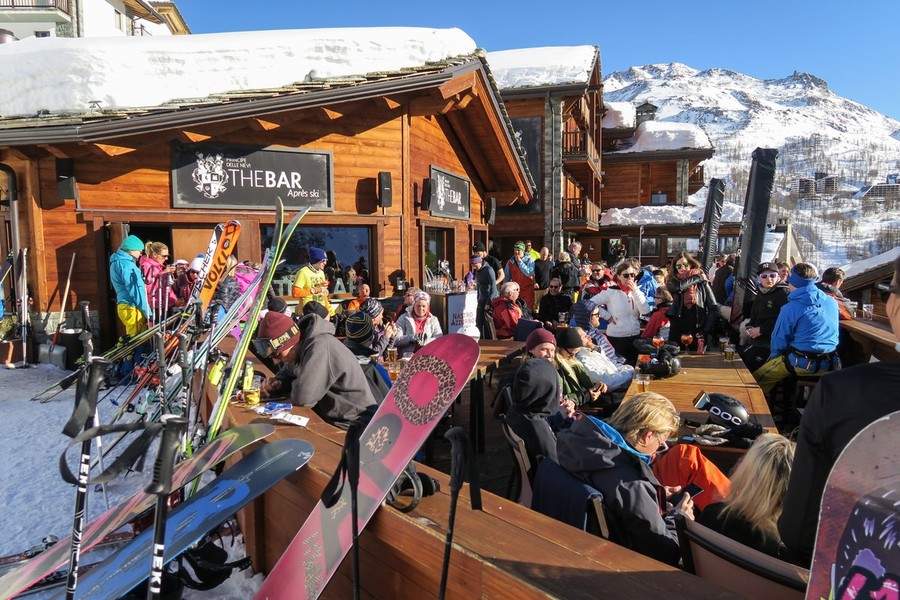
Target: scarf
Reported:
point(420, 323)
point(689, 296)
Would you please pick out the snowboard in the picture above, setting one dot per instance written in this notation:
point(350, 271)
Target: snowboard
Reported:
point(857, 552)
point(57, 555)
point(190, 521)
point(422, 393)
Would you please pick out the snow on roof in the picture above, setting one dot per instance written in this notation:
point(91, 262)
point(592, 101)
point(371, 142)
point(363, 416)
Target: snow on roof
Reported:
point(661, 215)
point(550, 65)
point(873, 262)
point(68, 74)
point(771, 245)
point(660, 135)
point(618, 114)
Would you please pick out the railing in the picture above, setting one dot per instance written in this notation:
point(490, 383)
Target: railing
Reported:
point(580, 211)
point(580, 143)
point(696, 180)
point(62, 5)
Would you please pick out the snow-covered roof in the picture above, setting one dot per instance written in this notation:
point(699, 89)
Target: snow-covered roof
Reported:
point(669, 214)
point(873, 262)
point(618, 114)
point(547, 66)
point(663, 135)
point(67, 75)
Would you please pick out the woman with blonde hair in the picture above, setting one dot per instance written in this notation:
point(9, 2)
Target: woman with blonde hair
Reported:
point(750, 513)
point(157, 278)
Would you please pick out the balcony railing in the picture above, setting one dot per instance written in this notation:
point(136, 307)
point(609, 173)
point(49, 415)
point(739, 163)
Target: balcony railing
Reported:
point(62, 5)
point(580, 143)
point(580, 212)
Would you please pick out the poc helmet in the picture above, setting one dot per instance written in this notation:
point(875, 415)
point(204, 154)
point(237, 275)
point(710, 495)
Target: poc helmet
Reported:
point(726, 410)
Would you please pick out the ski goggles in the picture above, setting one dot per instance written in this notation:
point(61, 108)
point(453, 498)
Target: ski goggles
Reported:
point(269, 347)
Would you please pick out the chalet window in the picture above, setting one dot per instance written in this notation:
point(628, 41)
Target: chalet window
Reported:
point(659, 198)
point(728, 244)
point(674, 245)
point(41, 34)
point(120, 21)
point(649, 246)
point(438, 247)
point(351, 247)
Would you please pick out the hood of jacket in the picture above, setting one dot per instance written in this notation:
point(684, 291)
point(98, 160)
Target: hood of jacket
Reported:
point(120, 256)
point(311, 326)
point(581, 311)
point(593, 445)
point(535, 389)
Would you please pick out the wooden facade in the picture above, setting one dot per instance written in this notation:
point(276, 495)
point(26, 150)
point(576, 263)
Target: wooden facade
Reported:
point(565, 122)
point(448, 117)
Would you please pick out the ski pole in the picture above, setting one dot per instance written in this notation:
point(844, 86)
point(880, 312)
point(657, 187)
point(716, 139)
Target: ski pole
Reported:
point(173, 429)
point(85, 407)
point(161, 371)
point(461, 459)
point(351, 447)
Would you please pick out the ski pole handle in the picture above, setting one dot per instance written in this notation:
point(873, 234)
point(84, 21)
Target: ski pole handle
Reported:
point(95, 377)
point(173, 428)
point(458, 456)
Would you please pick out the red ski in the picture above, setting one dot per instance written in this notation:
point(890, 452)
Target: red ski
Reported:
point(420, 396)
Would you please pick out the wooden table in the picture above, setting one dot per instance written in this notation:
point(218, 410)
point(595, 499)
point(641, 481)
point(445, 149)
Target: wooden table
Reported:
point(493, 353)
point(875, 338)
point(502, 551)
point(709, 373)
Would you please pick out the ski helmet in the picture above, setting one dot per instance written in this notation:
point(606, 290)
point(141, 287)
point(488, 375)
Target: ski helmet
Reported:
point(726, 410)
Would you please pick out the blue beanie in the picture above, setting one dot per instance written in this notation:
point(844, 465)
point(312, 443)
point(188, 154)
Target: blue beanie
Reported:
point(316, 255)
point(132, 244)
point(798, 282)
point(359, 327)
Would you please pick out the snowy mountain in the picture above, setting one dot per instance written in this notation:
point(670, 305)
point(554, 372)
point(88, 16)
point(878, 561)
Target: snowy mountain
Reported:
point(814, 129)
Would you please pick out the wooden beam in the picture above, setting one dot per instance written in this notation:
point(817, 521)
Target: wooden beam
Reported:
point(386, 102)
point(194, 136)
point(431, 106)
point(56, 151)
point(330, 113)
point(457, 85)
point(263, 125)
point(111, 150)
point(505, 198)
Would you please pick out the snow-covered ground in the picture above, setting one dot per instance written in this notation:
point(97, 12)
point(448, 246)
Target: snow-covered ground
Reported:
point(37, 501)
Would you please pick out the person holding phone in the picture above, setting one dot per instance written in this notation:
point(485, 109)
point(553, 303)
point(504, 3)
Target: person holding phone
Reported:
point(615, 457)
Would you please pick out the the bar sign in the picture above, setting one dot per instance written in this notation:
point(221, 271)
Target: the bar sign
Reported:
point(450, 195)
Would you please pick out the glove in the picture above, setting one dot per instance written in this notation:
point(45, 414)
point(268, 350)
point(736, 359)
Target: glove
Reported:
point(710, 435)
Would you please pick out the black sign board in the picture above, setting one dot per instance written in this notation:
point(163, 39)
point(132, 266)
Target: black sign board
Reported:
point(233, 176)
point(450, 195)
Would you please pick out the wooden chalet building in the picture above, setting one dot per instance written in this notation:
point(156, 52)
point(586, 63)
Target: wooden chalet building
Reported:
point(397, 165)
point(553, 97)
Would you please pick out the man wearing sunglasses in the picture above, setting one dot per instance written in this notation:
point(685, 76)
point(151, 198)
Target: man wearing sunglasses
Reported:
point(841, 405)
point(771, 295)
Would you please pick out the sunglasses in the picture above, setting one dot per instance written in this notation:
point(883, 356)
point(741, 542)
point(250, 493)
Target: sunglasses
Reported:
point(554, 287)
point(681, 266)
point(596, 314)
point(628, 275)
point(768, 275)
point(266, 347)
point(596, 270)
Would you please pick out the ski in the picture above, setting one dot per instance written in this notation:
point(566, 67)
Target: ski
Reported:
point(420, 396)
point(190, 521)
point(6, 267)
point(11, 561)
point(56, 556)
point(280, 240)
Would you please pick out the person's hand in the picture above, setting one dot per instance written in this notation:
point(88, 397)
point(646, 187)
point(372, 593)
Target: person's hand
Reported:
point(686, 507)
point(601, 387)
point(270, 386)
point(567, 407)
point(671, 490)
point(753, 332)
point(536, 286)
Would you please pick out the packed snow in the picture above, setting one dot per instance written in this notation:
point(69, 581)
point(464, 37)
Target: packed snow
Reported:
point(67, 75)
point(618, 114)
point(656, 135)
point(534, 67)
point(37, 501)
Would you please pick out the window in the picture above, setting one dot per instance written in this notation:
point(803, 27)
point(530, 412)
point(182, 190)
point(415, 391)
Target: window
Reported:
point(649, 246)
point(728, 244)
point(120, 21)
point(349, 246)
point(41, 34)
point(659, 198)
point(438, 246)
point(675, 245)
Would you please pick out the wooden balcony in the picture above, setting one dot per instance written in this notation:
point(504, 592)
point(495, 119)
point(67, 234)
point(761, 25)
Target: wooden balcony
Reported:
point(581, 158)
point(61, 5)
point(580, 215)
point(696, 180)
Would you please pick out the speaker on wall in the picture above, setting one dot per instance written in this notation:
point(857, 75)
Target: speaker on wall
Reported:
point(385, 199)
point(491, 211)
point(66, 187)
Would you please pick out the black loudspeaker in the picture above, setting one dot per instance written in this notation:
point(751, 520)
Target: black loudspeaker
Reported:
point(384, 189)
point(491, 211)
point(66, 187)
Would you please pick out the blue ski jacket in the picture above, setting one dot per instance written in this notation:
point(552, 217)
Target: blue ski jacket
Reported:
point(128, 282)
point(808, 322)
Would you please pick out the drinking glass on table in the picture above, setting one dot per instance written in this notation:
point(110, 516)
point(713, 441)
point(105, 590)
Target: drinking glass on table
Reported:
point(643, 382)
point(686, 340)
point(658, 342)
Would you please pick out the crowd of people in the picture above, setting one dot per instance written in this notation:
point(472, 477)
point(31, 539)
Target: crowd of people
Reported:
point(580, 331)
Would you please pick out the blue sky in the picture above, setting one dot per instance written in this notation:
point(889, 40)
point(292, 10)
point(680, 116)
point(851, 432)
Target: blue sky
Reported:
point(853, 46)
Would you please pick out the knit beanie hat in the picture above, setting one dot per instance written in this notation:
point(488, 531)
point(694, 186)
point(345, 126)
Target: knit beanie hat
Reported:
point(359, 327)
point(476, 260)
point(280, 329)
point(315, 307)
point(538, 337)
point(196, 264)
point(277, 304)
point(568, 338)
point(316, 255)
point(519, 246)
point(372, 307)
point(132, 244)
